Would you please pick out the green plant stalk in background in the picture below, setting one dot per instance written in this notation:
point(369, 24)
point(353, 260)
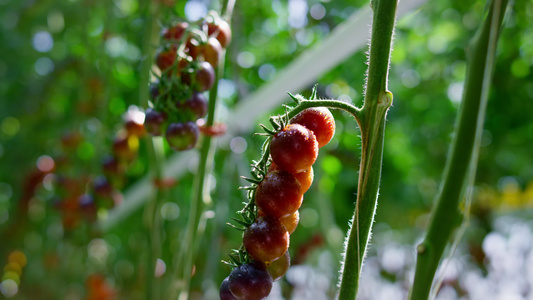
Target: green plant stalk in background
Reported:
point(201, 198)
point(155, 153)
point(446, 215)
point(372, 124)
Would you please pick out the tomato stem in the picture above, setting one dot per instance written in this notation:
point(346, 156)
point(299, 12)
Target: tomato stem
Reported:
point(460, 166)
point(371, 121)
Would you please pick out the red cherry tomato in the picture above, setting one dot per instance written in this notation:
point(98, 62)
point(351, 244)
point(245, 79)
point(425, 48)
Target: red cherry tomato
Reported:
point(320, 121)
point(294, 149)
point(266, 239)
point(279, 194)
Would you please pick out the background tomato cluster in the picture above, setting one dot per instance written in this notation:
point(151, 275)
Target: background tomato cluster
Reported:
point(70, 68)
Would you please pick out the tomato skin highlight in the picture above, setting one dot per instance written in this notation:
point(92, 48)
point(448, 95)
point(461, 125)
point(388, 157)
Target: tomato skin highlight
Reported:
point(294, 149)
point(221, 31)
point(266, 239)
point(320, 121)
point(279, 194)
point(250, 281)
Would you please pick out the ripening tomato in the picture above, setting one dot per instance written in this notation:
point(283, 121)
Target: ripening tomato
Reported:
point(225, 293)
point(280, 266)
point(154, 121)
point(266, 239)
point(166, 58)
point(320, 121)
point(182, 136)
point(125, 146)
point(305, 178)
point(250, 281)
point(212, 51)
point(289, 221)
point(205, 76)
point(221, 31)
point(279, 194)
point(102, 187)
point(197, 104)
point(294, 149)
point(175, 32)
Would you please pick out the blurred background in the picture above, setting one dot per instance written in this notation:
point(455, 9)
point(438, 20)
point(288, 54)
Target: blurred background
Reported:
point(70, 75)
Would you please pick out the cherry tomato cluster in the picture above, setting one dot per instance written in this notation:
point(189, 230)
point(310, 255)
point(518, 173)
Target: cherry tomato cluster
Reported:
point(187, 58)
point(277, 197)
point(81, 196)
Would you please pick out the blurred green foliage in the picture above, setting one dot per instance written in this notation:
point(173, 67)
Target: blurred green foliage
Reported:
point(73, 66)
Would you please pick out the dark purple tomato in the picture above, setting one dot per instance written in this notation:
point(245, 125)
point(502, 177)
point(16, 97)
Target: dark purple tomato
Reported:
point(155, 90)
point(87, 206)
point(112, 167)
point(225, 293)
point(102, 187)
point(182, 136)
point(197, 104)
point(205, 76)
point(266, 239)
point(250, 281)
point(154, 121)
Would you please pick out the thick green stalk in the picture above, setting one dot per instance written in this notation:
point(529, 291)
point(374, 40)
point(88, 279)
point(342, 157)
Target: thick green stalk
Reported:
point(372, 125)
point(446, 215)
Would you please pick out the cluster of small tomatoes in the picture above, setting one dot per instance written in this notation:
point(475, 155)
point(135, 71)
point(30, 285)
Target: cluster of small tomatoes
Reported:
point(187, 59)
point(80, 196)
point(293, 151)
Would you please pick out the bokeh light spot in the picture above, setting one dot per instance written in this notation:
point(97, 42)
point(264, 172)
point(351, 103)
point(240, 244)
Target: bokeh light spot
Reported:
point(45, 163)
point(10, 126)
point(42, 41)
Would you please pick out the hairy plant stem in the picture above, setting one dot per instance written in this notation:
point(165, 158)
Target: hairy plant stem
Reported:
point(372, 124)
point(155, 153)
point(446, 216)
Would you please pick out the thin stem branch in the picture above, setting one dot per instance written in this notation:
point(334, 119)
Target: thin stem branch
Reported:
point(446, 215)
point(200, 199)
point(372, 125)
